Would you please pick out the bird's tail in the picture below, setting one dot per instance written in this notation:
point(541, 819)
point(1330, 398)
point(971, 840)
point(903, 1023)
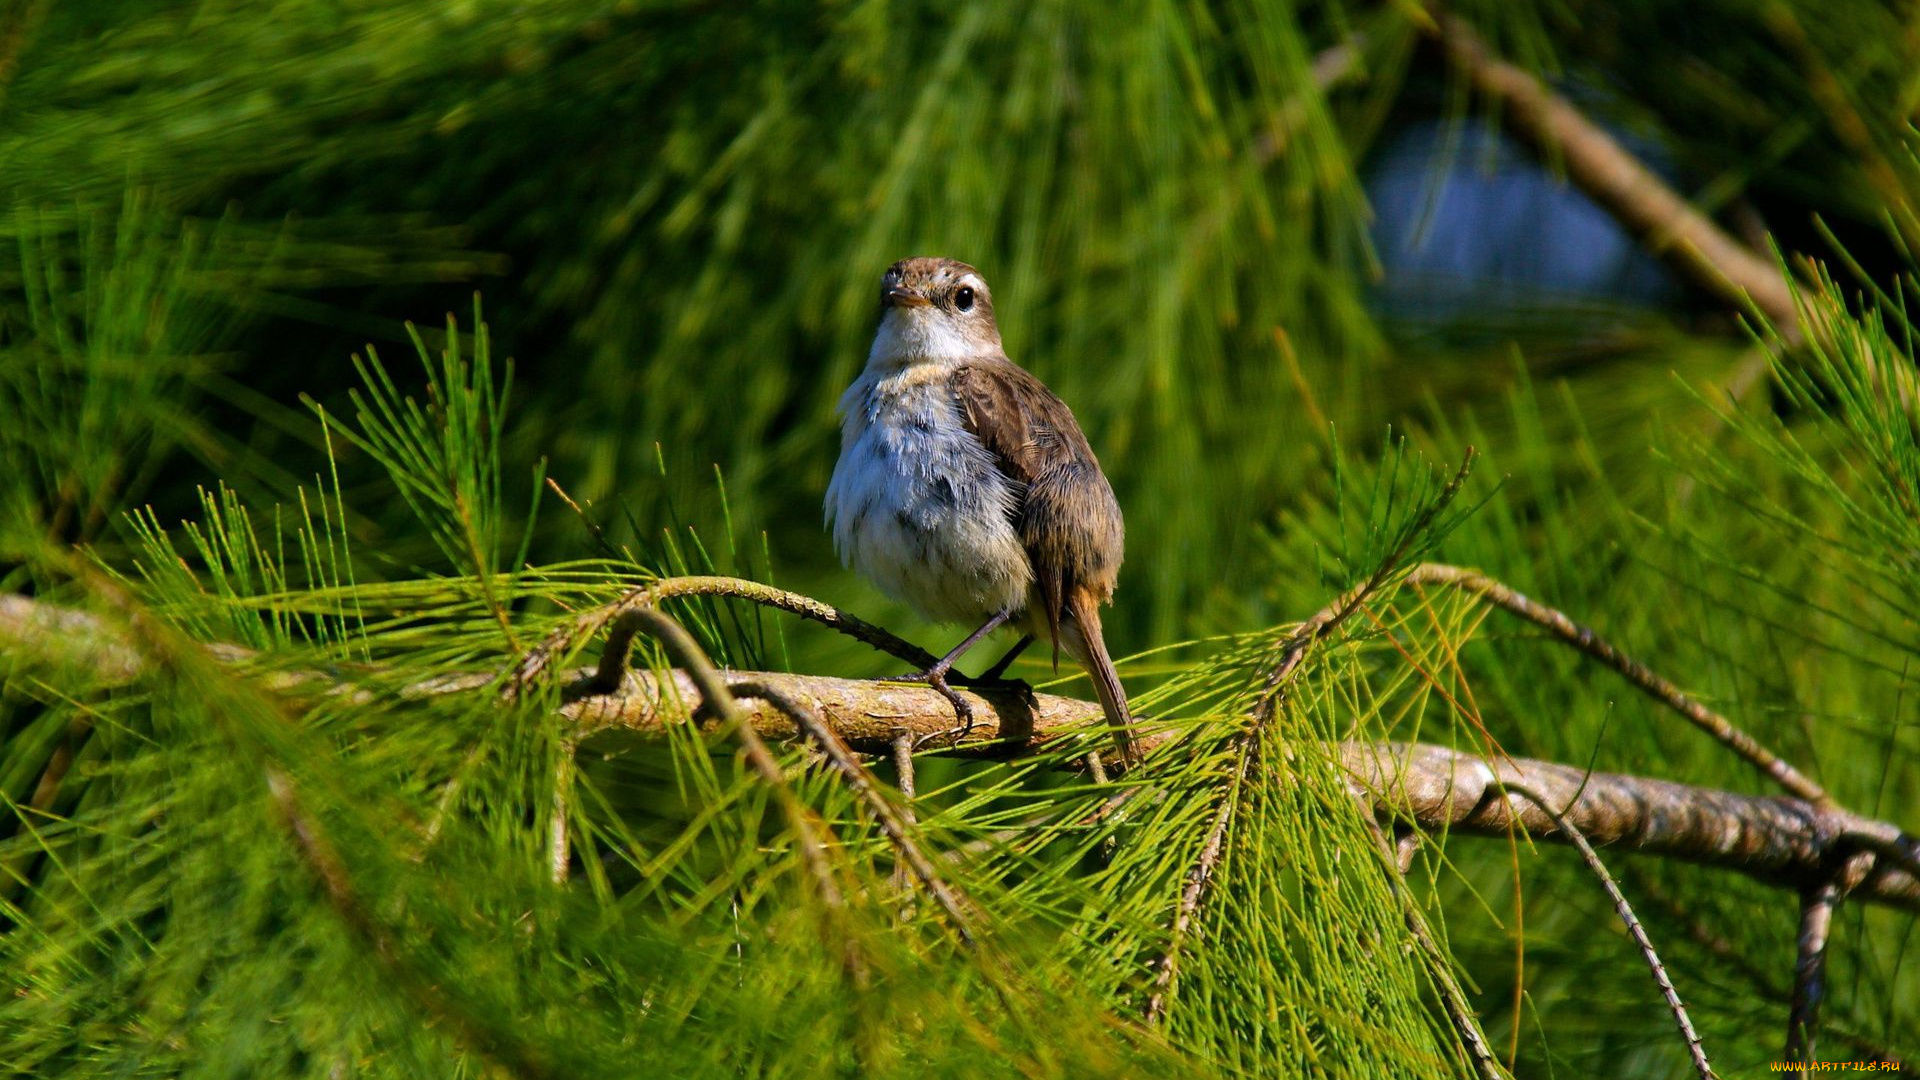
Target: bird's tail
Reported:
point(1085, 612)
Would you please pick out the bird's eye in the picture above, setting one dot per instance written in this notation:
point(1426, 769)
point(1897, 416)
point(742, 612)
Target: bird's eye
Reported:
point(963, 298)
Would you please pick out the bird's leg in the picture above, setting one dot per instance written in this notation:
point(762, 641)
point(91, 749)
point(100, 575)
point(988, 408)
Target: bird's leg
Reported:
point(936, 676)
point(996, 675)
point(945, 664)
point(1000, 666)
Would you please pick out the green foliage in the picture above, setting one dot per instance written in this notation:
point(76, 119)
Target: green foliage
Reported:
point(418, 841)
point(284, 859)
point(393, 915)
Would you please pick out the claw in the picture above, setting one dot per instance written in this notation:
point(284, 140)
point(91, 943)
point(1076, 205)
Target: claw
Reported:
point(936, 676)
point(962, 710)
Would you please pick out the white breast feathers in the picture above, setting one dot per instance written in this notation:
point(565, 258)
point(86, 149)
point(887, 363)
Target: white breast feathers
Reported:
point(919, 506)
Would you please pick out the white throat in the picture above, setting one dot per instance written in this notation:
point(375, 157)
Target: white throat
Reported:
point(910, 336)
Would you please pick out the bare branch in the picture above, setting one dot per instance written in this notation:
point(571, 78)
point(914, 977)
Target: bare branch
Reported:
point(1639, 933)
point(868, 714)
point(1817, 906)
point(1618, 181)
point(1786, 842)
point(1778, 840)
point(1580, 637)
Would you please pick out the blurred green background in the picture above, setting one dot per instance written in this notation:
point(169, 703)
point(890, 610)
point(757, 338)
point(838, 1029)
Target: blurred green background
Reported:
point(1251, 244)
point(676, 214)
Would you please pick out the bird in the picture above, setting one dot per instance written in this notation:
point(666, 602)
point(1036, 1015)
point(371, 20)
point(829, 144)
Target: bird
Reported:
point(966, 489)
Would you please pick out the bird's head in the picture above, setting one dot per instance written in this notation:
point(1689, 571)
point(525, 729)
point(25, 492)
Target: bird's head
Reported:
point(934, 309)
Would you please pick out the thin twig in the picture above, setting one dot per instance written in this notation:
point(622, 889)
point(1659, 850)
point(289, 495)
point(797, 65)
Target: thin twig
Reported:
point(1896, 848)
point(16, 33)
point(1641, 676)
point(615, 617)
point(500, 1047)
point(45, 791)
point(1330, 68)
point(1328, 619)
point(903, 768)
point(639, 609)
point(1167, 966)
point(449, 794)
point(1681, 1019)
point(716, 698)
point(892, 823)
point(1742, 963)
point(1465, 1023)
point(1845, 121)
point(1809, 973)
point(1817, 906)
point(594, 529)
point(904, 775)
point(1406, 845)
point(559, 845)
point(1273, 695)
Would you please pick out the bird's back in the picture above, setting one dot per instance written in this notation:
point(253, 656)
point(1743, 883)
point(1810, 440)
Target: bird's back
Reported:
point(1068, 518)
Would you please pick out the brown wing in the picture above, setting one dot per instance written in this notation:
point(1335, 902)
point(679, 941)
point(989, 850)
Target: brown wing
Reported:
point(1067, 516)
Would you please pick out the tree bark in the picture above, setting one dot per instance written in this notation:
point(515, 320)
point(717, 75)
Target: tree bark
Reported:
point(1785, 842)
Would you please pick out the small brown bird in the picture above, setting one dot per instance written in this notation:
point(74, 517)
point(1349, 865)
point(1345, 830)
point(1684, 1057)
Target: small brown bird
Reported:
point(965, 488)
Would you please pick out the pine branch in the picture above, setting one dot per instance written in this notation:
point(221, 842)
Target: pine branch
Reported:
point(1617, 180)
point(1639, 933)
point(716, 699)
point(1272, 700)
point(151, 647)
point(513, 1057)
point(1817, 906)
point(1584, 639)
point(1789, 842)
point(893, 821)
point(1398, 856)
point(1782, 841)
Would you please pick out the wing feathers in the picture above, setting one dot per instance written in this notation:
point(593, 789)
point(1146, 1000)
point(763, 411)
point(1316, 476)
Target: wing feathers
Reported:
point(1067, 517)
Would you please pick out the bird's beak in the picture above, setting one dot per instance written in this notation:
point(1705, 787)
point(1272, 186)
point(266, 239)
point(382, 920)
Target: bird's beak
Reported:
point(899, 297)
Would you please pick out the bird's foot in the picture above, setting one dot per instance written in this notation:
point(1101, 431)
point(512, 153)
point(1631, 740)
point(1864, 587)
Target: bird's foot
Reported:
point(936, 677)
